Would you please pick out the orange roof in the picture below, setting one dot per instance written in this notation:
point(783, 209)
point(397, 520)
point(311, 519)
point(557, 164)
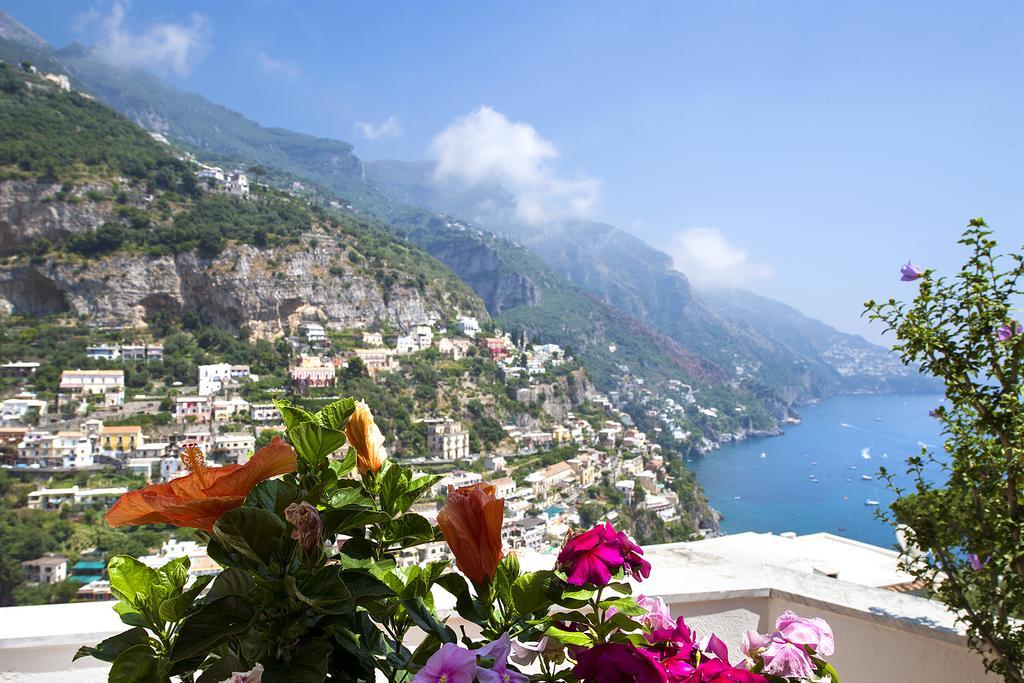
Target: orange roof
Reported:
point(130, 429)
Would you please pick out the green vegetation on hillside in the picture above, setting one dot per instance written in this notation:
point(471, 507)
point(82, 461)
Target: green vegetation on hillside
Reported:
point(46, 132)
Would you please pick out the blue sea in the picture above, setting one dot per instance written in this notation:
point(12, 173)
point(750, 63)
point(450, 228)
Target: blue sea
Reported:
point(810, 478)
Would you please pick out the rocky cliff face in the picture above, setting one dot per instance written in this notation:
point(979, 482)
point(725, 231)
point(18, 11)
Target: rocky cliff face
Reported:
point(483, 269)
point(266, 289)
point(31, 210)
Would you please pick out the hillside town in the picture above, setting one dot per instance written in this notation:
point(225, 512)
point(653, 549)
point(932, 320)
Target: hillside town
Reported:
point(551, 472)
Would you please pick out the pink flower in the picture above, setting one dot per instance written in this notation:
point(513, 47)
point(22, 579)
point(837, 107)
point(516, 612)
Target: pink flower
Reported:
point(618, 663)
point(814, 633)
point(658, 615)
point(524, 653)
point(909, 272)
point(595, 555)
point(753, 642)
point(498, 650)
point(787, 660)
point(717, 671)
point(254, 675)
point(1008, 331)
point(450, 664)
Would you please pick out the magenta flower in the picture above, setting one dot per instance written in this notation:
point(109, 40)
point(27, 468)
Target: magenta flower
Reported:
point(787, 660)
point(636, 565)
point(909, 272)
point(814, 633)
point(595, 555)
point(254, 675)
point(450, 664)
point(1008, 331)
point(975, 562)
point(717, 671)
point(618, 663)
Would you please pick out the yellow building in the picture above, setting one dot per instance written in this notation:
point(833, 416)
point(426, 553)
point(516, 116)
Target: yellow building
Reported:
point(121, 439)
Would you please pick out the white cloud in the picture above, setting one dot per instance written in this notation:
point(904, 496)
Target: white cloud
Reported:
point(162, 46)
point(707, 257)
point(485, 146)
point(389, 128)
point(276, 67)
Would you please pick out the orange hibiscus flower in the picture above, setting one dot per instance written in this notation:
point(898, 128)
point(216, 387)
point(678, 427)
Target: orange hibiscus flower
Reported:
point(471, 522)
point(199, 498)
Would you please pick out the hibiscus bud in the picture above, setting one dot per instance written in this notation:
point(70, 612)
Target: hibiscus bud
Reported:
point(364, 436)
point(308, 526)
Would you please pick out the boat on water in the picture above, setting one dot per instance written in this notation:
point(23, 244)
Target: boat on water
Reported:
point(866, 477)
point(871, 501)
point(764, 455)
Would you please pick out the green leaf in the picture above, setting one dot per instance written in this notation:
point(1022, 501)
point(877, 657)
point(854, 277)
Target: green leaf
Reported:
point(569, 637)
point(364, 586)
point(425, 618)
point(350, 492)
point(108, 650)
point(418, 586)
point(532, 592)
point(231, 581)
point(344, 466)
point(130, 580)
point(408, 530)
point(308, 664)
point(827, 669)
point(313, 442)
point(175, 608)
point(214, 623)
point(393, 480)
point(253, 533)
point(137, 664)
point(324, 591)
point(174, 575)
point(274, 495)
point(625, 606)
point(335, 415)
point(342, 520)
point(292, 415)
point(416, 488)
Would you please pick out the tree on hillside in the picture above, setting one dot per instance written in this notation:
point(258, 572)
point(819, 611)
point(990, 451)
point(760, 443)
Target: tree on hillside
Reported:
point(963, 518)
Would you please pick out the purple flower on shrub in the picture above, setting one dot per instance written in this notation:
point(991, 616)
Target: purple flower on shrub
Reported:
point(976, 563)
point(450, 664)
point(717, 671)
point(1008, 331)
point(658, 615)
point(909, 272)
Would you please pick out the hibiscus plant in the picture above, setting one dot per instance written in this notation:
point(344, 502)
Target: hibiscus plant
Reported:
point(963, 515)
point(312, 588)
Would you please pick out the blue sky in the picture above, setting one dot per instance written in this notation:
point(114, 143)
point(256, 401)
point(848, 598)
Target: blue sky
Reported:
point(801, 149)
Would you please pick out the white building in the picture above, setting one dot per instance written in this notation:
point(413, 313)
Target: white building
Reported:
point(406, 344)
point(52, 499)
point(16, 408)
point(212, 378)
point(264, 412)
point(468, 325)
point(456, 479)
point(80, 385)
point(111, 352)
point(233, 447)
